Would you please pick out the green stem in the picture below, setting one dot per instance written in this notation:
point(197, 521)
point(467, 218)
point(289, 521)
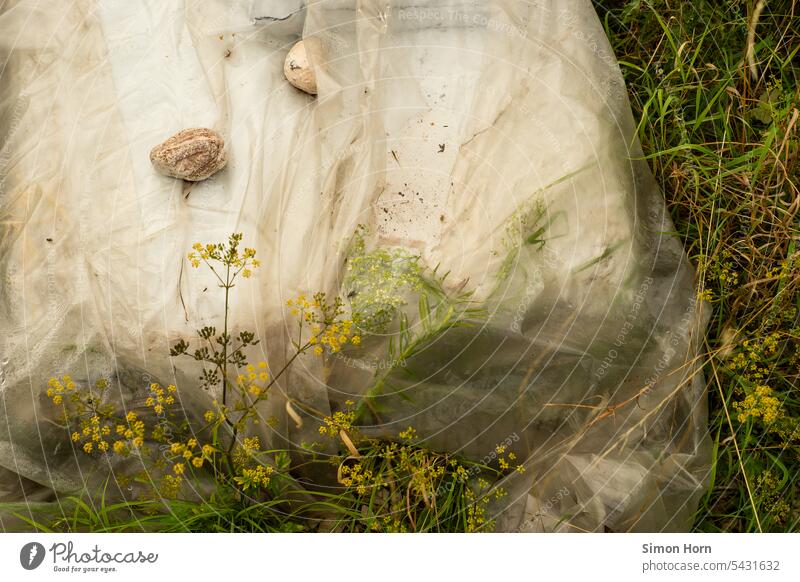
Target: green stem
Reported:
point(225, 336)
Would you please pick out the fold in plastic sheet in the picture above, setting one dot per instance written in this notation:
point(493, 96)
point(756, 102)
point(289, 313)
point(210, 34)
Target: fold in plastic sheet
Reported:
point(489, 140)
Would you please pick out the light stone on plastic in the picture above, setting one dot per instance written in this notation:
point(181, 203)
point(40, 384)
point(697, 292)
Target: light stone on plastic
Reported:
point(192, 154)
point(298, 70)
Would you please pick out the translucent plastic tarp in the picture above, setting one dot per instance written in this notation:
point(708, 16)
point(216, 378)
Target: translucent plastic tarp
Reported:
point(489, 140)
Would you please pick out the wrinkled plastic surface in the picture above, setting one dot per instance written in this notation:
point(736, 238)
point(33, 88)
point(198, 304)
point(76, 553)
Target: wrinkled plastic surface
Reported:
point(493, 140)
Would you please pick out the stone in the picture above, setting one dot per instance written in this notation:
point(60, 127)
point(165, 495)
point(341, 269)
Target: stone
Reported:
point(191, 154)
point(298, 70)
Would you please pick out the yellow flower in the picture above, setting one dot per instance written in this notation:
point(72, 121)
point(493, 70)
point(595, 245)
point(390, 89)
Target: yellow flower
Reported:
point(178, 468)
point(408, 434)
point(131, 416)
point(76, 437)
point(187, 454)
point(318, 350)
point(87, 448)
point(57, 399)
point(120, 448)
point(208, 450)
point(176, 448)
point(209, 416)
point(191, 443)
point(103, 446)
point(355, 340)
point(197, 462)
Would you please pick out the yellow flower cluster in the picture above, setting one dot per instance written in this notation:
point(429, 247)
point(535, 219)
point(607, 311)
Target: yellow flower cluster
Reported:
point(338, 421)
point(405, 479)
point(329, 331)
point(760, 403)
point(768, 488)
point(393, 525)
point(783, 270)
point(246, 450)
point(333, 337)
point(477, 504)
point(750, 360)
point(93, 423)
point(705, 295)
point(356, 476)
point(132, 433)
point(504, 463)
point(256, 381)
point(255, 478)
point(160, 397)
point(188, 453)
point(722, 270)
point(57, 390)
point(170, 486)
point(409, 434)
point(251, 444)
point(227, 254)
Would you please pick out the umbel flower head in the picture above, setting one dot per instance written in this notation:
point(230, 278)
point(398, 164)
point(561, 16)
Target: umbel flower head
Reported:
point(227, 255)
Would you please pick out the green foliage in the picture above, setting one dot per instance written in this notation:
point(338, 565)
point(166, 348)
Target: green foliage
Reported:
point(378, 282)
point(722, 139)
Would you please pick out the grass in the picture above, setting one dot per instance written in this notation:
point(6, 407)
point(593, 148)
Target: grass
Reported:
point(720, 131)
point(388, 487)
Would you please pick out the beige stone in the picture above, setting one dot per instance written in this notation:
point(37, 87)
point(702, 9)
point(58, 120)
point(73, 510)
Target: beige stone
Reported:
point(298, 70)
point(191, 154)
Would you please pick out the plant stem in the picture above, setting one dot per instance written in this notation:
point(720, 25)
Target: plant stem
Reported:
point(225, 338)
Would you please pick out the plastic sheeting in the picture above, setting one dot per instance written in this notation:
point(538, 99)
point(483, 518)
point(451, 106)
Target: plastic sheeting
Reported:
point(488, 139)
